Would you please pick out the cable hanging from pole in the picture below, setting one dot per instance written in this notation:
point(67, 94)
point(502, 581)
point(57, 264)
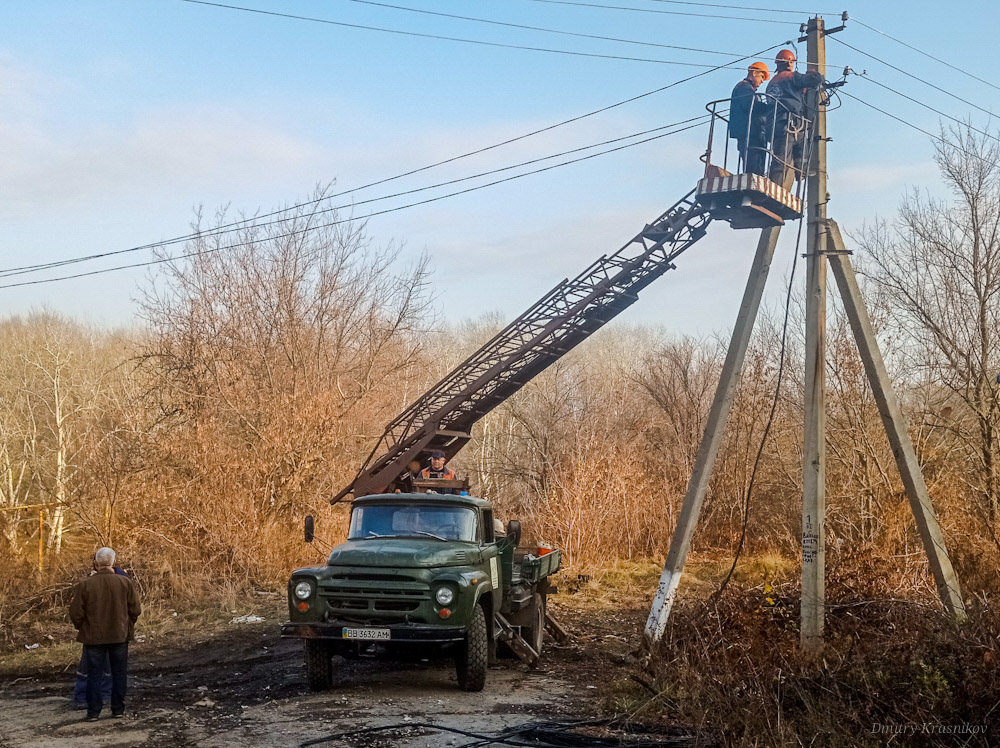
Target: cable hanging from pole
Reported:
point(442, 37)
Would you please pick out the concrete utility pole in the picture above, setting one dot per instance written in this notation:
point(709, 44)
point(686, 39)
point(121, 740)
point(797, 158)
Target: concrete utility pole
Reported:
point(823, 242)
point(813, 599)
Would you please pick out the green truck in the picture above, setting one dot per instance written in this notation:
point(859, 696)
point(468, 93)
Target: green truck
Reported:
point(422, 572)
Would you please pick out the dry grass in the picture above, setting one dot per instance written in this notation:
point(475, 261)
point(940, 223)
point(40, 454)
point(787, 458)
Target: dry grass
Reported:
point(892, 660)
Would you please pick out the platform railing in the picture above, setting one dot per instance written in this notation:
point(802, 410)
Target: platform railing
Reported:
point(782, 129)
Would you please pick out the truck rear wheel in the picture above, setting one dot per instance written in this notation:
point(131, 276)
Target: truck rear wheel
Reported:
point(534, 632)
point(473, 654)
point(319, 668)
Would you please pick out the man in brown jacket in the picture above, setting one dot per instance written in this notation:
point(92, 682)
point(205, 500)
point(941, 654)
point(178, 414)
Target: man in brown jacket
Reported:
point(104, 610)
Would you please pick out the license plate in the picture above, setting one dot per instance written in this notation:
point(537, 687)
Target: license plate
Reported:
point(369, 634)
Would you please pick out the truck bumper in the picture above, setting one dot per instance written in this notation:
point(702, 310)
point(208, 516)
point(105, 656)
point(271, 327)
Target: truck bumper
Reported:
point(408, 632)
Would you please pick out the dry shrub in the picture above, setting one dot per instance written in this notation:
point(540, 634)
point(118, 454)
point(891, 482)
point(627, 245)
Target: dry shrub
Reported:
point(893, 663)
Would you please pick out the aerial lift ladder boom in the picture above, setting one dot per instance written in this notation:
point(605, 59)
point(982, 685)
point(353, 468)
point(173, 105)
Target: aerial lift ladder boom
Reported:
point(563, 318)
point(442, 418)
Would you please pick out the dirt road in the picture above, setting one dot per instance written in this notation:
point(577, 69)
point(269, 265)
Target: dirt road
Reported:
point(244, 686)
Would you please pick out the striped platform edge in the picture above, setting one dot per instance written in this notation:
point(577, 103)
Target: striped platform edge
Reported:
point(746, 183)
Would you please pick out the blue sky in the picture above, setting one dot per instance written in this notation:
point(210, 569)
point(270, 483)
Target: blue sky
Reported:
point(119, 117)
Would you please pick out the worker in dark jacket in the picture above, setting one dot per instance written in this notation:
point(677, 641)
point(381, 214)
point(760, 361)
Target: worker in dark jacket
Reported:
point(786, 93)
point(748, 119)
point(104, 610)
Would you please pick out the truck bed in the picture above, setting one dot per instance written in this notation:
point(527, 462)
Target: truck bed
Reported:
point(530, 567)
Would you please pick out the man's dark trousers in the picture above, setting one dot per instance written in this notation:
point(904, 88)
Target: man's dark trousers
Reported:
point(117, 656)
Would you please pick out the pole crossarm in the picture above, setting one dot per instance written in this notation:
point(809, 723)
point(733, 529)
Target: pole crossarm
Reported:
point(567, 315)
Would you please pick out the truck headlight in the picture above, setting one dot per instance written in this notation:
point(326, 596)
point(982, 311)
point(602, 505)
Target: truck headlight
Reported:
point(444, 595)
point(303, 590)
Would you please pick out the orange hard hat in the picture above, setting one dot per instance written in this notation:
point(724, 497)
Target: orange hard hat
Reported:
point(762, 67)
point(785, 54)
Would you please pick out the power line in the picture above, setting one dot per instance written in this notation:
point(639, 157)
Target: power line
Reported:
point(346, 220)
point(247, 222)
point(665, 12)
point(865, 76)
point(312, 19)
point(230, 228)
point(918, 129)
point(538, 28)
point(910, 75)
point(744, 7)
point(925, 54)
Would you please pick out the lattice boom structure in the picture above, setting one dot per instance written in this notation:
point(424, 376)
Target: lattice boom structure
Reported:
point(566, 316)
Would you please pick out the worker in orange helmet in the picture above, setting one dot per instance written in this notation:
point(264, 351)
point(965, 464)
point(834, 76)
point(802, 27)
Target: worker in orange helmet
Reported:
point(748, 119)
point(786, 95)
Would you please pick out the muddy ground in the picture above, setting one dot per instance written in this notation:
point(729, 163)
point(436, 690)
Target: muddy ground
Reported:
point(245, 686)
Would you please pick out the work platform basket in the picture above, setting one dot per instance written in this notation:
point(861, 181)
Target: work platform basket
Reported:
point(748, 199)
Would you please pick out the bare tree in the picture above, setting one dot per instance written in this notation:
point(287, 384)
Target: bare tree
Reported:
point(938, 263)
point(275, 353)
point(52, 382)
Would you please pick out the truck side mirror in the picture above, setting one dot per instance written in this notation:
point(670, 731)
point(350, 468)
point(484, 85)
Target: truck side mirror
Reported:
point(514, 532)
point(310, 528)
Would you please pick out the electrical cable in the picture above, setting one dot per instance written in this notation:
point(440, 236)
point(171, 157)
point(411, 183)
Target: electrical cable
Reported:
point(228, 228)
point(918, 129)
point(910, 75)
point(666, 12)
point(744, 7)
point(865, 76)
point(407, 725)
point(444, 38)
point(248, 222)
point(926, 54)
point(346, 220)
point(539, 28)
point(541, 734)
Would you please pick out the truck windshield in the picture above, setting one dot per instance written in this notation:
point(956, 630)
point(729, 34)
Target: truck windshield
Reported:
point(444, 522)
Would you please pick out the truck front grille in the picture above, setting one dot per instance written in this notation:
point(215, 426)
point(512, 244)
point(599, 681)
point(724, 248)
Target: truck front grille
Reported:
point(373, 578)
point(399, 606)
point(349, 604)
point(396, 595)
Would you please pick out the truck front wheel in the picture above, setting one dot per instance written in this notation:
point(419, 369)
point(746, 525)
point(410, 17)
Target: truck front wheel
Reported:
point(319, 668)
point(473, 654)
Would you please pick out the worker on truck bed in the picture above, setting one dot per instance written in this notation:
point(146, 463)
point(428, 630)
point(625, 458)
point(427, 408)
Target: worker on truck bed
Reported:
point(437, 469)
point(787, 90)
point(748, 119)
